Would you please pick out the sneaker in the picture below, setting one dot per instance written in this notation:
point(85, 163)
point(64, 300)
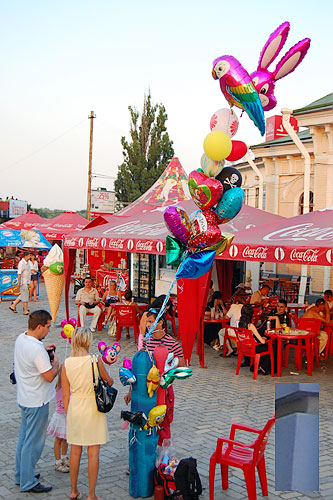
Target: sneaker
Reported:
point(61, 467)
point(65, 461)
point(92, 330)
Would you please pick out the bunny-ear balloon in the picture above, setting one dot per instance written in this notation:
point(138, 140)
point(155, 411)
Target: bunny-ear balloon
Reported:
point(264, 80)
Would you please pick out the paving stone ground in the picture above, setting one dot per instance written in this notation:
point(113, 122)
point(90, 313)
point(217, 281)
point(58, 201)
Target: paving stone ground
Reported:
point(206, 405)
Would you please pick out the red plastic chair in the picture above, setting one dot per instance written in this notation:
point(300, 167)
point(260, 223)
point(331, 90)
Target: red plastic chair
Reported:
point(244, 456)
point(246, 346)
point(100, 319)
point(257, 315)
point(310, 325)
point(126, 317)
point(273, 300)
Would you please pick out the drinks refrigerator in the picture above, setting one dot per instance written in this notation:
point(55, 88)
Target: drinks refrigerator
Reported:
point(143, 276)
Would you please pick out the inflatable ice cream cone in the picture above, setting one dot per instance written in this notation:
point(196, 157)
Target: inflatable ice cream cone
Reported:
point(54, 278)
point(54, 284)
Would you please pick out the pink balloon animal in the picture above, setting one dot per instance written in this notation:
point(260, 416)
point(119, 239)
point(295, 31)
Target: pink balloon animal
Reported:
point(264, 80)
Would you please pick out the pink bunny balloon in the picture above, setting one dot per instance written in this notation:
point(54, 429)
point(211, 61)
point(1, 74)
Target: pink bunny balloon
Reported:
point(264, 80)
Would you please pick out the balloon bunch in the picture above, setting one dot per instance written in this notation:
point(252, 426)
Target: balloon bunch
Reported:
point(67, 328)
point(216, 191)
point(109, 354)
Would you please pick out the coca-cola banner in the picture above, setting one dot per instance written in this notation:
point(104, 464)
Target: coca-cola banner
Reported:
point(306, 239)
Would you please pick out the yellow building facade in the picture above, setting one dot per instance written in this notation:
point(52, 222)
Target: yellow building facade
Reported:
point(282, 166)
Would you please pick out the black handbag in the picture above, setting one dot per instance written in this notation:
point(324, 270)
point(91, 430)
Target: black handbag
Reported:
point(105, 394)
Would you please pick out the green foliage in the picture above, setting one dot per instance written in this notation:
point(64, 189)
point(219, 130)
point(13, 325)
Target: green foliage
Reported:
point(146, 155)
point(47, 213)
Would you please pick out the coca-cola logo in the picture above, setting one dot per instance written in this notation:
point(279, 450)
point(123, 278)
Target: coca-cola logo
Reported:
point(80, 242)
point(130, 245)
point(91, 242)
point(116, 244)
point(70, 242)
point(233, 251)
point(136, 227)
point(301, 232)
point(144, 246)
point(159, 247)
point(309, 255)
point(255, 253)
point(103, 242)
point(329, 256)
point(279, 253)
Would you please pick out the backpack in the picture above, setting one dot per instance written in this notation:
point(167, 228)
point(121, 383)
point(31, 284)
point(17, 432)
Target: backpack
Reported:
point(187, 479)
point(167, 481)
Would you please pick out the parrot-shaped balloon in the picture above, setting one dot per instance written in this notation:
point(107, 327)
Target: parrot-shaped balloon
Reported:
point(153, 380)
point(180, 373)
point(156, 416)
point(238, 89)
point(126, 376)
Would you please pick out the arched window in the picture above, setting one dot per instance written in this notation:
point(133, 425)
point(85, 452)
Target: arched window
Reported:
point(301, 203)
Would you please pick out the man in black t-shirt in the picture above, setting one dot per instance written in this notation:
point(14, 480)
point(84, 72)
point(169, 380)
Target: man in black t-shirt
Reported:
point(279, 316)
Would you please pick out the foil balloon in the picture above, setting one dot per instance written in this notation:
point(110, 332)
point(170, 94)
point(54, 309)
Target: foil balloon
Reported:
point(225, 120)
point(137, 418)
point(156, 416)
point(175, 373)
point(223, 244)
point(230, 204)
point(237, 87)
point(210, 167)
point(177, 221)
point(126, 376)
point(174, 250)
point(239, 149)
point(264, 80)
point(171, 362)
point(217, 145)
point(205, 191)
point(230, 177)
point(196, 265)
point(204, 229)
point(153, 380)
point(109, 354)
point(127, 363)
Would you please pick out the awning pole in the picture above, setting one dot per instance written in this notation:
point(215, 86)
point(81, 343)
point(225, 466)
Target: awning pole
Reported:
point(286, 113)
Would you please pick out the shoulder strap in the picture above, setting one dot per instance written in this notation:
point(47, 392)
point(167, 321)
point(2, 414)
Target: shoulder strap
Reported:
point(93, 363)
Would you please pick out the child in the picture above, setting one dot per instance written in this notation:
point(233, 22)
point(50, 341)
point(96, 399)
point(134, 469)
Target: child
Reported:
point(57, 428)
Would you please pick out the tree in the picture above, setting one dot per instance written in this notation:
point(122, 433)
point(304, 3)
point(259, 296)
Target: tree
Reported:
point(147, 154)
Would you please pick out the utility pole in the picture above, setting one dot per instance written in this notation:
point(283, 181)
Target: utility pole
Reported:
point(91, 118)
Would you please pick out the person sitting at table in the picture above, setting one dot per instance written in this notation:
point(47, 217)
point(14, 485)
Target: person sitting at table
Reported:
point(259, 298)
point(87, 298)
point(234, 313)
point(210, 291)
point(111, 296)
point(320, 311)
point(245, 321)
point(328, 297)
point(278, 317)
point(211, 330)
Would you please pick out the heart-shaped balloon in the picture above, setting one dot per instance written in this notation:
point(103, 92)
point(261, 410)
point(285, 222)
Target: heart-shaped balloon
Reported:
point(230, 177)
point(230, 204)
point(196, 265)
point(177, 221)
point(210, 167)
point(204, 229)
point(223, 244)
point(205, 191)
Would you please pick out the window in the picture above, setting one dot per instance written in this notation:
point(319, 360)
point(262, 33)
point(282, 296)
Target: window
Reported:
point(246, 196)
point(257, 198)
point(301, 203)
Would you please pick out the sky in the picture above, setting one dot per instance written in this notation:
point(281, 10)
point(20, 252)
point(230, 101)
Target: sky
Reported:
point(61, 60)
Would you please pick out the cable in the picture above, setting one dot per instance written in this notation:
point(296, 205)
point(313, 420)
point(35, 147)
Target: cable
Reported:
point(42, 147)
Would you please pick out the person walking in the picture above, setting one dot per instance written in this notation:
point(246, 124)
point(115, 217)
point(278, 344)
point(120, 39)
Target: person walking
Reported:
point(34, 277)
point(35, 373)
point(23, 279)
point(85, 425)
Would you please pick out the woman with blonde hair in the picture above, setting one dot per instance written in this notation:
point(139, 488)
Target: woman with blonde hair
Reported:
point(85, 425)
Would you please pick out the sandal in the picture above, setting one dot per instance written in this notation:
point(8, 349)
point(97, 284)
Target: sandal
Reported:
point(13, 310)
point(78, 496)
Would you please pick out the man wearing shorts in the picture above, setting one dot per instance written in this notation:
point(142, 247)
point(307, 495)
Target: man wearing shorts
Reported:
point(23, 279)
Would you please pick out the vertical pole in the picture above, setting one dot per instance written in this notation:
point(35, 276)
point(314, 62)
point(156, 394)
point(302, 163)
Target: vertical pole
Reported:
point(91, 118)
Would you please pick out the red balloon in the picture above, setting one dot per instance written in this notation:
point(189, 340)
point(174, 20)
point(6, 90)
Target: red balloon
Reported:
point(239, 149)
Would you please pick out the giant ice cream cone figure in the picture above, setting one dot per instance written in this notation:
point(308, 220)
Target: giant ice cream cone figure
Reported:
point(53, 274)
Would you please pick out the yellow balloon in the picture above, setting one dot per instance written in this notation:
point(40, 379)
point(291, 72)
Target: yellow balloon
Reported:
point(217, 145)
point(68, 330)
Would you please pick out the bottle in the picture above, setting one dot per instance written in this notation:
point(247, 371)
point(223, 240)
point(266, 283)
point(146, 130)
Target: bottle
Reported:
point(212, 313)
point(284, 322)
point(268, 325)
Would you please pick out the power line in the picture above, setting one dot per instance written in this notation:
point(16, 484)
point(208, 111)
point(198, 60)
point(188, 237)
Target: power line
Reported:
point(41, 147)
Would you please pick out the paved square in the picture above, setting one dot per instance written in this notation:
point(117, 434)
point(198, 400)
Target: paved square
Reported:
point(205, 406)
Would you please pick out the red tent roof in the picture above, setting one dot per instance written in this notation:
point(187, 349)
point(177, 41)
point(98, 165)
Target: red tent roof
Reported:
point(62, 224)
point(304, 239)
point(147, 231)
point(26, 221)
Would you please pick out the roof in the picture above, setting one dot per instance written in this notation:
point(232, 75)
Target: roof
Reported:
point(318, 105)
point(304, 135)
point(26, 221)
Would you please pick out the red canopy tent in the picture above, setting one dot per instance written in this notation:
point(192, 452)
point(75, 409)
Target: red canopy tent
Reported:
point(28, 220)
point(305, 239)
point(57, 227)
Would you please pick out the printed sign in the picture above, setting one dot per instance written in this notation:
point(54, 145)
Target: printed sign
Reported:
point(17, 208)
point(8, 284)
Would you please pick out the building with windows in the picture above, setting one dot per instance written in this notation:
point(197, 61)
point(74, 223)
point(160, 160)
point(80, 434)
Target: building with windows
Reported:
point(282, 166)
